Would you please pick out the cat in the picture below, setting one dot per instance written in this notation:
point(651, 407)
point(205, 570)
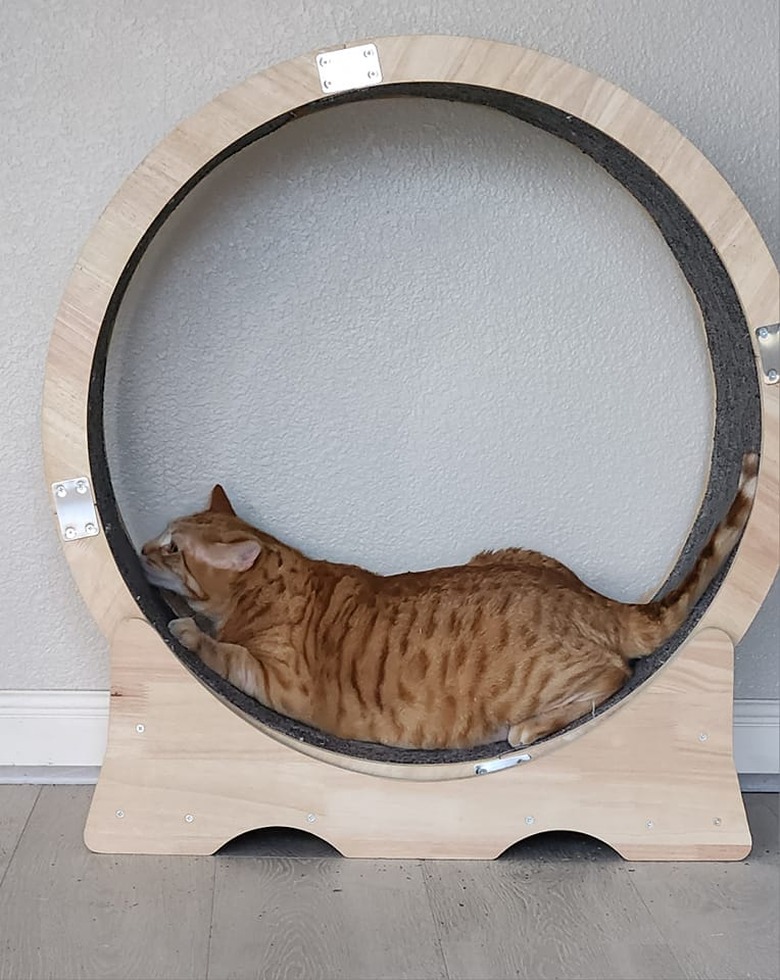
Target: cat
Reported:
point(510, 646)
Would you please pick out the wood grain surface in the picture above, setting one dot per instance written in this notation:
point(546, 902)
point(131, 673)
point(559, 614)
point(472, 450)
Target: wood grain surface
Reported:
point(654, 778)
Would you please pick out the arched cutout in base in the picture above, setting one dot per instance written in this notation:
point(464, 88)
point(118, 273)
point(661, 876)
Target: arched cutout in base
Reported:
point(278, 842)
point(560, 844)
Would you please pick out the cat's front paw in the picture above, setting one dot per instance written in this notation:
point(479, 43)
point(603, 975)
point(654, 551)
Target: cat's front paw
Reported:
point(186, 632)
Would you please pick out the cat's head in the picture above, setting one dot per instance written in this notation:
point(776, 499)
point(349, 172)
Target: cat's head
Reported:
point(200, 556)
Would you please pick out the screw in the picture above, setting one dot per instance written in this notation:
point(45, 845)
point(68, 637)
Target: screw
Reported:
point(763, 333)
point(326, 83)
point(372, 74)
point(61, 491)
point(81, 486)
point(772, 375)
point(529, 820)
point(140, 729)
point(120, 813)
point(717, 821)
point(703, 736)
point(310, 817)
point(90, 528)
point(367, 52)
point(70, 532)
point(649, 825)
point(322, 61)
point(188, 817)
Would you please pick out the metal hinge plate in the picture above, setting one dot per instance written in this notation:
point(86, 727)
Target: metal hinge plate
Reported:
point(348, 68)
point(75, 509)
point(505, 762)
point(769, 351)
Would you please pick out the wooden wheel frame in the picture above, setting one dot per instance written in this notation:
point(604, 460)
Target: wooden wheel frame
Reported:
point(185, 771)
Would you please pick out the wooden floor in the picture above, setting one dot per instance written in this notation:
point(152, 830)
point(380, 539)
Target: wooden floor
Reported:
point(283, 905)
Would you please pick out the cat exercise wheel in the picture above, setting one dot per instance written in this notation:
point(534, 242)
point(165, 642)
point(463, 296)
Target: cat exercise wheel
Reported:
point(652, 774)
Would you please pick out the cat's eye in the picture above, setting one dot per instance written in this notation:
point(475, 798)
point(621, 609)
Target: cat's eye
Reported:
point(173, 548)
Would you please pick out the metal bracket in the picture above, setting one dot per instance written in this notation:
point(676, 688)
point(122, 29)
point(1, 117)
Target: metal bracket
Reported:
point(505, 762)
point(75, 509)
point(348, 68)
point(768, 339)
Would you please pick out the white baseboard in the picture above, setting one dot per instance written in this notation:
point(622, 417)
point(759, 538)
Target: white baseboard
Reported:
point(56, 775)
point(67, 729)
point(757, 736)
point(53, 728)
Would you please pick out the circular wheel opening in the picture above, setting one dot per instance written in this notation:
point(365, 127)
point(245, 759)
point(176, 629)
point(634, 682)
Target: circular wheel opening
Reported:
point(737, 416)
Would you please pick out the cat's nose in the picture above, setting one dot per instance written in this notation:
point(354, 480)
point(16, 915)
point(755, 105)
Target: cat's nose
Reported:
point(146, 549)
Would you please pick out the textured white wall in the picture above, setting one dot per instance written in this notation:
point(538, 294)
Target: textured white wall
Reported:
point(398, 332)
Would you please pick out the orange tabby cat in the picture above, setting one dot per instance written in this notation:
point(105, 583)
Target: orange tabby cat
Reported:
point(510, 646)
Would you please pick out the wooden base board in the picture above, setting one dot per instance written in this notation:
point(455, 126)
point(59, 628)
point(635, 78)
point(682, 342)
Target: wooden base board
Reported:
point(654, 779)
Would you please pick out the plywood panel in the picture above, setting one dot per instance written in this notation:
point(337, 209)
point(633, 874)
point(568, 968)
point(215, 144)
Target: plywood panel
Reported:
point(655, 778)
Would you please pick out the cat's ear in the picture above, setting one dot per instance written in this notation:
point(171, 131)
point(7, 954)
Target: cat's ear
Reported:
point(219, 503)
point(238, 556)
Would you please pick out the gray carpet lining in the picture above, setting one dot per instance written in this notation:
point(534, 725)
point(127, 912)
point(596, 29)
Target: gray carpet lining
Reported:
point(738, 415)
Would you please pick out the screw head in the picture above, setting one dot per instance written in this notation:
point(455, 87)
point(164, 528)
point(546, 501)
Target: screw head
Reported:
point(372, 73)
point(703, 736)
point(188, 817)
point(322, 61)
point(310, 818)
point(90, 528)
point(529, 820)
point(717, 821)
point(649, 824)
point(326, 83)
point(772, 375)
point(61, 491)
point(120, 813)
point(81, 486)
point(140, 729)
point(69, 532)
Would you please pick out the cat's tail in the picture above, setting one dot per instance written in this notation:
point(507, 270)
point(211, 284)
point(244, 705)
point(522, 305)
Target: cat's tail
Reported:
point(649, 625)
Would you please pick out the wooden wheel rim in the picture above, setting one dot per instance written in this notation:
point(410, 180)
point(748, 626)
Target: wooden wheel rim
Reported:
point(587, 110)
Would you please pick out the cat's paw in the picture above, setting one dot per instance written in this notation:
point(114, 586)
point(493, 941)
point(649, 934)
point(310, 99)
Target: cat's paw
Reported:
point(186, 632)
point(522, 735)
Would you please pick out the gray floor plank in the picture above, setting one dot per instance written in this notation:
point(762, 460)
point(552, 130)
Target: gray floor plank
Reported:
point(556, 906)
point(279, 917)
point(286, 905)
point(763, 810)
point(722, 920)
point(16, 803)
point(68, 913)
